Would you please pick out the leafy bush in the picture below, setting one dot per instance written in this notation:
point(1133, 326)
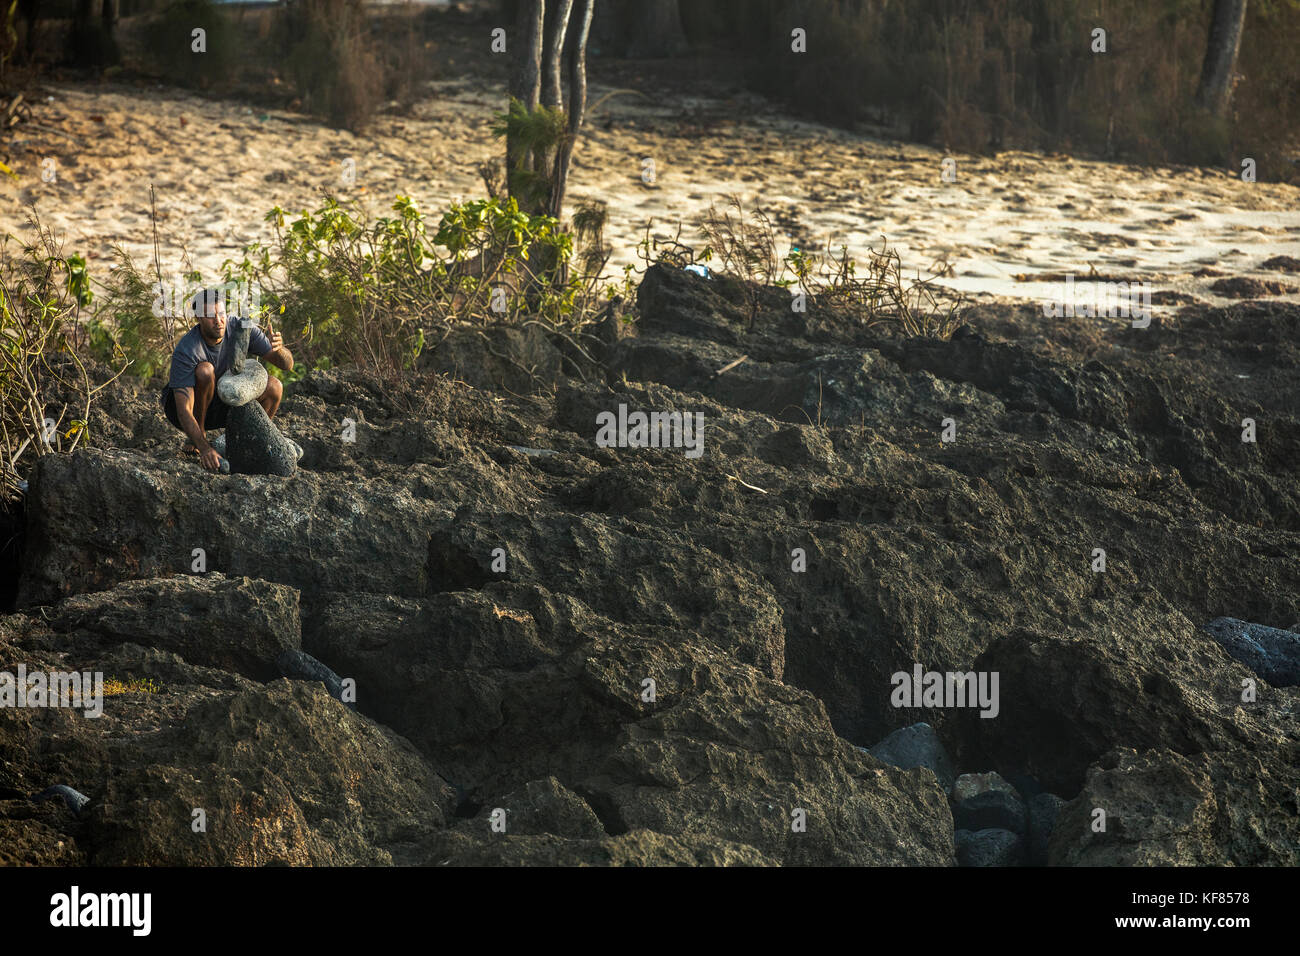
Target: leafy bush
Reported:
point(45, 390)
point(132, 327)
point(350, 290)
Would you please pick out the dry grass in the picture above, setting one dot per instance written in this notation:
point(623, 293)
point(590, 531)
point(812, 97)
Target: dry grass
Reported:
point(875, 290)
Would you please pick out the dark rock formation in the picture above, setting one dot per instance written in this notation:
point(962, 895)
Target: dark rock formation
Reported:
point(255, 446)
point(1272, 653)
point(989, 847)
point(689, 652)
point(1162, 808)
point(917, 746)
point(296, 665)
point(984, 801)
point(236, 624)
point(72, 799)
point(1044, 808)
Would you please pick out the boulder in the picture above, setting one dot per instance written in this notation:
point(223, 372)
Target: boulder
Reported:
point(284, 775)
point(985, 801)
point(1272, 653)
point(547, 806)
point(254, 445)
point(505, 684)
point(1162, 808)
point(240, 388)
point(1044, 808)
point(101, 516)
point(237, 624)
point(917, 746)
point(989, 847)
point(1138, 676)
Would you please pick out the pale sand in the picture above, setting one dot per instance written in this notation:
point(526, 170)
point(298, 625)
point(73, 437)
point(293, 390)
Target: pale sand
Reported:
point(219, 166)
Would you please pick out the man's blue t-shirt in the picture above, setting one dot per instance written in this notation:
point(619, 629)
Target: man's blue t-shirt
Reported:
point(193, 349)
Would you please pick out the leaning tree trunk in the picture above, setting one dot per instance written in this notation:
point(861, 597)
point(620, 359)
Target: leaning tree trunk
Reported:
point(542, 39)
point(1215, 89)
point(577, 106)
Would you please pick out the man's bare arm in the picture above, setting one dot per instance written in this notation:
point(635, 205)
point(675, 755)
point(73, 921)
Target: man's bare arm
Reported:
point(185, 415)
point(279, 355)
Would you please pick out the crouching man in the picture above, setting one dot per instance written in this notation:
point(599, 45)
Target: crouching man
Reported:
point(201, 357)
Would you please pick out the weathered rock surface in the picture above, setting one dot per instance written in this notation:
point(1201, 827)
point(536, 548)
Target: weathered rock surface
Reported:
point(1272, 653)
point(255, 446)
point(240, 388)
point(1044, 809)
point(989, 847)
point(239, 624)
point(1166, 809)
point(688, 649)
point(984, 801)
point(917, 746)
point(281, 772)
point(548, 806)
point(509, 682)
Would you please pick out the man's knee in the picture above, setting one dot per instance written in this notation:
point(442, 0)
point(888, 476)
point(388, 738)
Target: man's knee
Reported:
point(274, 390)
point(204, 374)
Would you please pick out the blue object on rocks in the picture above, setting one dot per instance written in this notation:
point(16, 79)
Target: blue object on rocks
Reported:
point(298, 665)
point(698, 270)
point(73, 800)
point(1272, 653)
point(917, 746)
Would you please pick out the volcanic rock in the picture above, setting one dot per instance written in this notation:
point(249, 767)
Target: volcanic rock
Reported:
point(1272, 653)
point(989, 847)
point(255, 446)
point(917, 746)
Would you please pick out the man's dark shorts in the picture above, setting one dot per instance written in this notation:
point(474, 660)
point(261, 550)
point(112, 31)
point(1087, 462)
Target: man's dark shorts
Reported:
point(216, 417)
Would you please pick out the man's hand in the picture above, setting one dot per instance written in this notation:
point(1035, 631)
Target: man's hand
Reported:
point(279, 356)
point(210, 459)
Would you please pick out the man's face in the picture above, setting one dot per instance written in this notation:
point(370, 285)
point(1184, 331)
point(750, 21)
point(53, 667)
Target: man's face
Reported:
point(213, 324)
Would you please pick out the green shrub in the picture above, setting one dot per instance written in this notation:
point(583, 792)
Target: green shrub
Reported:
point(346, 289)
point(132, 328)
point(45, 390)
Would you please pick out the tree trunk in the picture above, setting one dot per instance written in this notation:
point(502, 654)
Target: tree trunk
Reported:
point(577, 105)
point(525, 83)
point(542, 41)
point(557, 25)
point(1215, 91)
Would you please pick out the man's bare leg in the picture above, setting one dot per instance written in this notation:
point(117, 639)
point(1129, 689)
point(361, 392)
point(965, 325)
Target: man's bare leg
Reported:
point(270, 399)
point(205, 385)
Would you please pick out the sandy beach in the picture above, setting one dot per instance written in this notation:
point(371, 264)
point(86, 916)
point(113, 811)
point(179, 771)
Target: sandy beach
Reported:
point(219, 166)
